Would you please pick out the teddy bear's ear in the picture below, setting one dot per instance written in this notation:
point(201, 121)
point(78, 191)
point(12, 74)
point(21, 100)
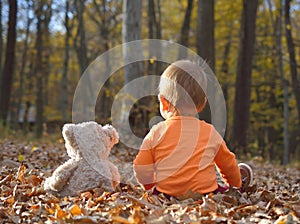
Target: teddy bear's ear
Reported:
point(112, 133)
point(68, 131)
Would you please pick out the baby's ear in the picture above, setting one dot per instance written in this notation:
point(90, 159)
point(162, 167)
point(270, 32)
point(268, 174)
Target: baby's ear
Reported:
point(112, 133)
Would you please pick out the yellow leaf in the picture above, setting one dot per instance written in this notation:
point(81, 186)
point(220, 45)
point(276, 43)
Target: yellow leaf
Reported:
point(34, 148)
point(50, 210)
point(59, 213)
point(152, 60)
point(21, 158)
point(75, 210)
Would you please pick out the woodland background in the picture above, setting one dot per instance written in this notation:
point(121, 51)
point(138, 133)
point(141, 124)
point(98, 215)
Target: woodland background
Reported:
point(252, 45)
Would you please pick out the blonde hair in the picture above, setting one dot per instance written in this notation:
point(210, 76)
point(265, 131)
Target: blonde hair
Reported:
point(183, 84)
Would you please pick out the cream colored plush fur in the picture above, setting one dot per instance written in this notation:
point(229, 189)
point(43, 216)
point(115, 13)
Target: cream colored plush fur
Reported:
point(88, 144)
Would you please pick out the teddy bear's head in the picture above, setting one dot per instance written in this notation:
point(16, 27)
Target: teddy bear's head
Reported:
point(89, 140)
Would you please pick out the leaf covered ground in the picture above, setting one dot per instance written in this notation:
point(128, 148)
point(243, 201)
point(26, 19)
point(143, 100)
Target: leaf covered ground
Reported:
point(273, 198)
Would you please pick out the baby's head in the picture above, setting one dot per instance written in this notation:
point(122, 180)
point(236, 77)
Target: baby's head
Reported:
point(182, 89)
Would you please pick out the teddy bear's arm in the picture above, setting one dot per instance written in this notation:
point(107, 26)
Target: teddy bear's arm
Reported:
point(60, 176)
point(115, 174)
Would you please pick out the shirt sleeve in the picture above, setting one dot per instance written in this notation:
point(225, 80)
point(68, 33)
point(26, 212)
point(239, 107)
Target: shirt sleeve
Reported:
point(228, 167)
point(143, 165)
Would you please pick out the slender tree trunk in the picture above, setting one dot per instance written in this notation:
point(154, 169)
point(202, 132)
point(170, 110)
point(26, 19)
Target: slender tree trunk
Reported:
point(185, 29)
point(206, 46)
point(272, 133)
point(154, 26)
point(131, 30)
point(81, 52)
point(64, 79)
point(80, 46)
point(24, 61)
point(1, 47)
point(8, 68)
point(102, 20)
point(205, 32)
point(43, 14)
point(39, 71)
point(225, 68)
point(243, 79)
point(293, 67)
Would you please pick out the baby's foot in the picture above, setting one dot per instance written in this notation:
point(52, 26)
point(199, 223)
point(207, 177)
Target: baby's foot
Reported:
point(246, 175)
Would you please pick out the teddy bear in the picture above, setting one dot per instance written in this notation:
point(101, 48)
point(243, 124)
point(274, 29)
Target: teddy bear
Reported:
point(88, 145)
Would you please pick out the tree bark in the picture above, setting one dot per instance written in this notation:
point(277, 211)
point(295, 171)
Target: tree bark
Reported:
point(206, 46)
point(64, 78)
point(8, 68)
point(205, 32)
point(272, 133)
point(104, 18)
point(1, 47)
point(80, 46)
point(24, 60)
point(243, 79)
point(293, 67)
point(43, 14)
point(39, 71)
point(185, 29)
point(131, 30)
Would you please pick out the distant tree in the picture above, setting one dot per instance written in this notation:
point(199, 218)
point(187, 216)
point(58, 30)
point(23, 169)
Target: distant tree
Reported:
point(206, 44)
point(131, 30)
point(8, 69)
point(105, 15)
point(293, 66)
point(43, 14)
point(154, 32)
point(185, 28)
point(24, 57)
point(64, 78)
point(243, 79)
point(80, 40)
point(205, 31)
point(154, 19)
point(1, 46)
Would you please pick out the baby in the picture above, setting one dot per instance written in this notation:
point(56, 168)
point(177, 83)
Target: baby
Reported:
point(179, 155)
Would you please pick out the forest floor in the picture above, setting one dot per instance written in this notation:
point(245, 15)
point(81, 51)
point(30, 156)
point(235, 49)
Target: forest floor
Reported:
point(273, 198)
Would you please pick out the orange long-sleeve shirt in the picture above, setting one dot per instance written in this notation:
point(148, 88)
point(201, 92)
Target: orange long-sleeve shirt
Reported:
point(179, 155)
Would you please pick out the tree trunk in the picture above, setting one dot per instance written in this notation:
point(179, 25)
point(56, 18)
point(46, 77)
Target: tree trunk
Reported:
point(243, 79)
point(206, 46)
point(1, 48)
point(88, 106)
point(8, 69)
point(64, 78)
point(102, 19)
point(20, 107)
point(43, 14)
point(154, 32)
point(205, 32)
point(131, 30)
point(39, 71)
point(185, 29)
point(80, 47)
point(272, 133)
point(293, 67)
